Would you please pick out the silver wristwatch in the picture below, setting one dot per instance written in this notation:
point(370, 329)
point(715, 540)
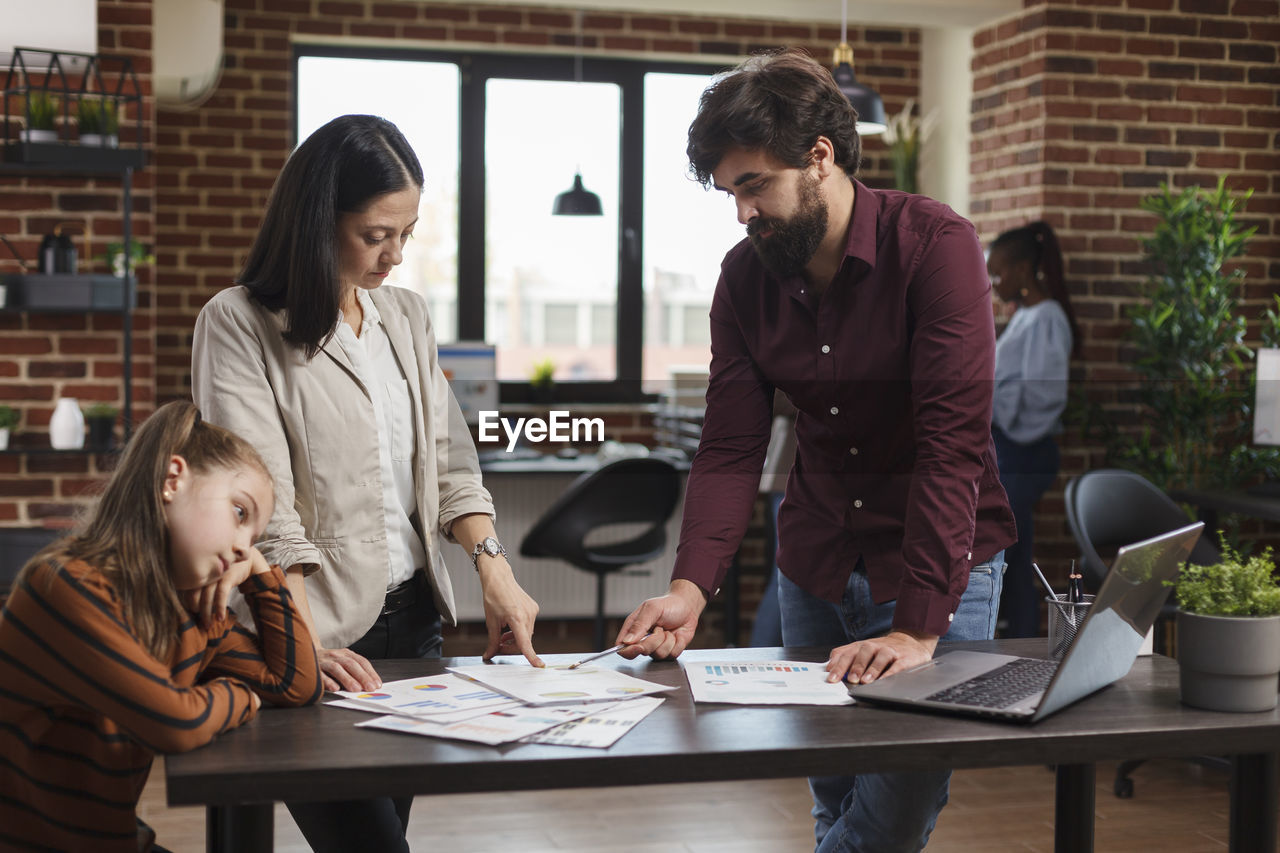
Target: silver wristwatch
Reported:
point(487, 545)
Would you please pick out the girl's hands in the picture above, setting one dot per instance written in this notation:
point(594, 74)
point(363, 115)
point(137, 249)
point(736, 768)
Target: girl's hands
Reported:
point(210, 600)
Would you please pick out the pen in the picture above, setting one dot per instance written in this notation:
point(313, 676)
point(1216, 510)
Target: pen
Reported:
point(608, 651)
point(1052, 594)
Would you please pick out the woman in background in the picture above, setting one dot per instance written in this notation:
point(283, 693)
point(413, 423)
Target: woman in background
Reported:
point(1032, 358)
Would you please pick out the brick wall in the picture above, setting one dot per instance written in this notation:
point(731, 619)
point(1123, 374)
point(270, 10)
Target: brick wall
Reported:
point(1080, 110)
point(44, 357)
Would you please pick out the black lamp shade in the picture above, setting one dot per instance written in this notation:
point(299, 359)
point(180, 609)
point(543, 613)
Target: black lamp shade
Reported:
point(871, 119)
point(579, 201)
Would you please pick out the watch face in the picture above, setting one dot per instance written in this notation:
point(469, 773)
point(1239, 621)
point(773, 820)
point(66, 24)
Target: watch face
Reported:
point(491, 546)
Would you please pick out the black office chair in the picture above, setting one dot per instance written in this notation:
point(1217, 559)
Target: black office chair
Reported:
point(1109, 508)
point(628, 491)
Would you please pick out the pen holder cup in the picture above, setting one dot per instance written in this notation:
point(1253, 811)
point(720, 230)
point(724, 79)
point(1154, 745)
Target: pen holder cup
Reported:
point(1065, 619)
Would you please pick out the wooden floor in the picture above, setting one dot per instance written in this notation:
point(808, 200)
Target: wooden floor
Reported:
point(1178, 806)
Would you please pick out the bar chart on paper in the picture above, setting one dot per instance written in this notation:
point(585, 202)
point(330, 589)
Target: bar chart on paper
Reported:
point(764, 683)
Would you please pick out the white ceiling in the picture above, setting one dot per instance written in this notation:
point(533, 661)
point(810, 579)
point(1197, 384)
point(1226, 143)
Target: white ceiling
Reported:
point(912, 13)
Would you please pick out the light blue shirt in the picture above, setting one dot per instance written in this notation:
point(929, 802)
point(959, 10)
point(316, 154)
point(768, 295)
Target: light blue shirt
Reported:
point(1032, 357)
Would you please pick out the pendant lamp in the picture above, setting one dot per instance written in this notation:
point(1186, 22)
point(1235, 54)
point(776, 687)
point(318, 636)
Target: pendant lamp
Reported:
point(865, 101)
point(577, 200)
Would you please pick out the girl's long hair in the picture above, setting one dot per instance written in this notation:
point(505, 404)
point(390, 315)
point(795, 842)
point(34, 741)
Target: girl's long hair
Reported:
point(124, 534)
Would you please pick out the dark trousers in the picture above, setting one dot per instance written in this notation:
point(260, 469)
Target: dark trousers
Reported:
point(376, 825)
point(1026, 472)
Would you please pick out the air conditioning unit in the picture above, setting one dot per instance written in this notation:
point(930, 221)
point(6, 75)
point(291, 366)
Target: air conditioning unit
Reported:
point(187, 51)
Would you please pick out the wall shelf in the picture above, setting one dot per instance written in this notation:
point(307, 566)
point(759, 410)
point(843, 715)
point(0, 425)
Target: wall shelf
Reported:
point(62, 292)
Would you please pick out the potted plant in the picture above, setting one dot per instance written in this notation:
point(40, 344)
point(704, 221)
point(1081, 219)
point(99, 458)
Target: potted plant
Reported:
point(98, 122)
point(542, 378)
point(101, 418)
point(8, 420)
point(1228, 626)
point(42, 111)
point(114, 256)
point(1191, 405)
point(904, 134)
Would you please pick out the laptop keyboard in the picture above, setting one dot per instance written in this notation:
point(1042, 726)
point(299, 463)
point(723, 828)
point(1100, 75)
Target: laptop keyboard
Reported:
point(1001, 687)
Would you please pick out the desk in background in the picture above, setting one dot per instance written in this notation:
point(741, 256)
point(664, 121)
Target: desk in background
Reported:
point(1210, 502)
point(522, 489)
point(318, 754)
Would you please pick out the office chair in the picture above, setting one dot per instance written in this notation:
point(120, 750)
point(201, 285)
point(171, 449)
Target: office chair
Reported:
point(1109, 508)
point(627, 491)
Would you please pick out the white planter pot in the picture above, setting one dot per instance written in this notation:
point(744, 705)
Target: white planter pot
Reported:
point(66, 426)
point(39, 135)
point(1228, 663)
point(4, 438)
point(98, 140)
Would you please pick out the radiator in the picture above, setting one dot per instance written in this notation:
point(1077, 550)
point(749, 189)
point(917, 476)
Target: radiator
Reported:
point(562, 591)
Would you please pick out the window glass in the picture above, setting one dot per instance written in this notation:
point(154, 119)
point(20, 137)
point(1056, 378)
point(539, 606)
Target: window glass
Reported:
point(330, 86)
point(538, 134)
point(687, 231)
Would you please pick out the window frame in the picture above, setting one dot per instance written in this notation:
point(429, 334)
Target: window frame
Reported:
point(476, 68)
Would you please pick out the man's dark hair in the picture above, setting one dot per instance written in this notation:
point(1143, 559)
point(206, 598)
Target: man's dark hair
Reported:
point(779, 103)
point(293, 264)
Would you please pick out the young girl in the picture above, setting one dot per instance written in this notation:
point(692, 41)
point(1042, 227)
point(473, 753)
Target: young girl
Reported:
point(116, 642)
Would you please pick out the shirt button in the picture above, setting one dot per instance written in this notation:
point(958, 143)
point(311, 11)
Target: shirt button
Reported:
point(826, 348)
point(857, 504)
point(951, 617)
point(853, 451)
point(835, 410)
point(969, 556)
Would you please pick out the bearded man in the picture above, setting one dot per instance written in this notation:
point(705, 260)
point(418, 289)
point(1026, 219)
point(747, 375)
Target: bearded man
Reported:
point(871, 311)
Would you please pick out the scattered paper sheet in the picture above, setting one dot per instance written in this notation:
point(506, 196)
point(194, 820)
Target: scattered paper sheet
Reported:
point(558, 685)
point(492, 728)
point(445, 717)
point(599, 729)
point(778, 682)
point(427, 697)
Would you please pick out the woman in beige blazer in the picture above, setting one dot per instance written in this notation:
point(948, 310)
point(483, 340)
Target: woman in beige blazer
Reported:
point(335, 381)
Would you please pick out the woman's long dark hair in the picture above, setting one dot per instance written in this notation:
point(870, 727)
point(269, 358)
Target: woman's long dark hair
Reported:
point(1037, 245)
point(293, 263)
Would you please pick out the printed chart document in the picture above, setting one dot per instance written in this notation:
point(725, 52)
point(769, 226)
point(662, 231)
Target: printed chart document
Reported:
point(779, 682)
point(431, 697)
point(558, 685)
point(601, 728)
point(493, 728)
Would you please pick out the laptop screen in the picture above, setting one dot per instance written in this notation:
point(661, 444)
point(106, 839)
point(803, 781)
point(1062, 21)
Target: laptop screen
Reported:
point(1124, 610)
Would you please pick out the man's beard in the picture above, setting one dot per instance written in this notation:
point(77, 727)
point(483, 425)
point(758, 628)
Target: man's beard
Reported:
point(794, 241)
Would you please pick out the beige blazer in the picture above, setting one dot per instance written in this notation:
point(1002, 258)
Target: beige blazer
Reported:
point(313, 423)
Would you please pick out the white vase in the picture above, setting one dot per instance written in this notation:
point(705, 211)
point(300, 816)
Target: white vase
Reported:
point(4, 438)
point(39, 135)
point(99, 140)
point(66, 426)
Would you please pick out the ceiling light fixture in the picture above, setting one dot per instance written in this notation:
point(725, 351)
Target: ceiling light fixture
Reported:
point(865, 101)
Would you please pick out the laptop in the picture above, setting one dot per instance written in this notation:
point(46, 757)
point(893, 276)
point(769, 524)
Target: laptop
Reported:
point(1020, 689)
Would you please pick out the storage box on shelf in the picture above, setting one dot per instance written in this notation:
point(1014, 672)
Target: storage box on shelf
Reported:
point(68, 292)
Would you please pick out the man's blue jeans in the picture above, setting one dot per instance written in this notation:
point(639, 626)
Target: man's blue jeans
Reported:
point(880, 812)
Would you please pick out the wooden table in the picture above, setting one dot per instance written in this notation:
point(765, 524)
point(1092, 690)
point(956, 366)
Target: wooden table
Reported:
point(317, 753)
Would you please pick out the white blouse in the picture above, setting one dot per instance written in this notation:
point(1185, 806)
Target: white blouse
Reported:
point(375, 363)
